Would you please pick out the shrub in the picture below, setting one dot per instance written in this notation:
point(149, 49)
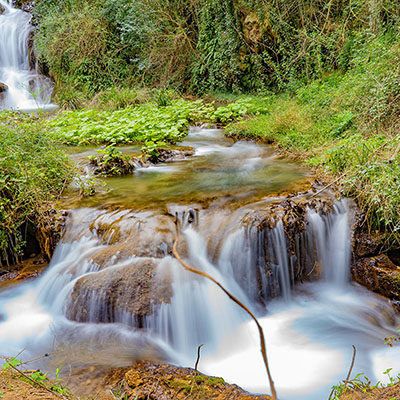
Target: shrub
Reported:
point(33, 171)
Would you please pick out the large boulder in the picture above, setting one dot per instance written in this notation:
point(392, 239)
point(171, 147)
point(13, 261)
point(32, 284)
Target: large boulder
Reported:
point(130, 290)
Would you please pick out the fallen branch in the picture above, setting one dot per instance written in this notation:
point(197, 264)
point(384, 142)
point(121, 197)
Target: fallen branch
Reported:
point(234, 299)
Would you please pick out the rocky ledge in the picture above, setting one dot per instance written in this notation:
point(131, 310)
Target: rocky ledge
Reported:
point(152, 381)
point(380, 275)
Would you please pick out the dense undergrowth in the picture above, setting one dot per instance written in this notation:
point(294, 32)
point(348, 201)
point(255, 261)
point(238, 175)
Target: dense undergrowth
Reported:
point(347, 124)
point(199, 46)
point(33, 172)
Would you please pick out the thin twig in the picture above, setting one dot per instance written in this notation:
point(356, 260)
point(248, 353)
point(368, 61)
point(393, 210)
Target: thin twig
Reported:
point(198, 359)
point(234, 299)
point(351, 368)
point(327, 186)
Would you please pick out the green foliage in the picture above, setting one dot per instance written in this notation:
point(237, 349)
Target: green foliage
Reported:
point(33, 170)
point(210, 45)
point(361, 383)
point(243, 106)
point(140, 124)
point(346, 124)
point(148, 124)
point(110, 162)
point(12, 362)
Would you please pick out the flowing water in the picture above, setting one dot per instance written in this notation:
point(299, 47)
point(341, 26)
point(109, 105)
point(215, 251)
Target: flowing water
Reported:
point(94, 305)
point(26, 88)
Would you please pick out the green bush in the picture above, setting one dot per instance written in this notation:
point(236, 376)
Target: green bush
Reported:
point(33, 171)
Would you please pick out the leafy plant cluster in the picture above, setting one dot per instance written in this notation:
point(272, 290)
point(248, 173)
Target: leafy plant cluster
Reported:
point(33, 171)
point(37, 377)
point(346, 124)
point(361, 383)
point(110, 162)
point(147, 124)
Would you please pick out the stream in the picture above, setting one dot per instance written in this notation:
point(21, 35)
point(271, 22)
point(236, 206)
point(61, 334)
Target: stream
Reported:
point(113, 293)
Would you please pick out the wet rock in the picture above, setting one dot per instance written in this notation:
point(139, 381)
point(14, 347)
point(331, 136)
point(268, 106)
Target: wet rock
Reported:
point(169, 155)
point(3, 88)
point(2, 9)
point(127, 233)
point(50, 230)
point(111, 294)
point(26, 6)
point(378, 274)
point(280, 225)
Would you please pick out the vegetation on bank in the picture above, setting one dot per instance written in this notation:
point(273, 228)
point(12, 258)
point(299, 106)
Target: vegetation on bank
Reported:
point(33, 172)
point(346, 124)
point(199, 46)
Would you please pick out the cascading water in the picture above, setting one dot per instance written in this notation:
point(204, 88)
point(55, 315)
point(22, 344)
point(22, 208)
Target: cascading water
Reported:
point(113, 293)
point(24, 88)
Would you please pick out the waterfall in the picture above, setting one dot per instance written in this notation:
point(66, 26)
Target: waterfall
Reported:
point(87, 307)
point(21, 86)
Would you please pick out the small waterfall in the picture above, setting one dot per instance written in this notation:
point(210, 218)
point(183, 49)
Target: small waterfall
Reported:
point(332, 236)
point(113, 293)
point(199, 312)
point(266, 263)
point(21, 87)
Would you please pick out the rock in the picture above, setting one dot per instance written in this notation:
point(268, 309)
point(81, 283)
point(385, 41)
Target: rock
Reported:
point(154, 381)
point(169, 155)
point(110, 294)
point(3, 88)
point(378, 274)
point(148, 380)
point(366, 245)
point(2, 9)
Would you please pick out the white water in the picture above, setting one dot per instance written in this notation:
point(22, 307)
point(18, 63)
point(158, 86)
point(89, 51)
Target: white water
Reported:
point(27, 90)
point(310, 328)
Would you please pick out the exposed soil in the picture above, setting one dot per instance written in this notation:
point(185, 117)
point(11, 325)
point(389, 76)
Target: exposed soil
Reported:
point(13, 387)
point(386, 393)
